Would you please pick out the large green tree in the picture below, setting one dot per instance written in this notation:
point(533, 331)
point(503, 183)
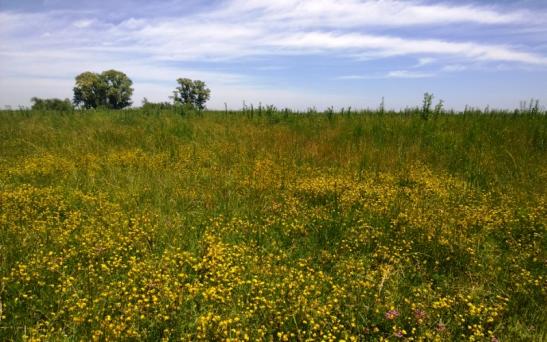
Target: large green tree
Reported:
point(111, 89)
point(89, 92)
point(190, 92)
point(118, 89)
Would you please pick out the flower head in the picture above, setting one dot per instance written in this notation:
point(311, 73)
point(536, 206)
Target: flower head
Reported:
point(441, 327)
point(420, 315)
point(392, 314)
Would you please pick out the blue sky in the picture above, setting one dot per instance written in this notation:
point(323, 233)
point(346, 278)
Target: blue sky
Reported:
point(290, 53)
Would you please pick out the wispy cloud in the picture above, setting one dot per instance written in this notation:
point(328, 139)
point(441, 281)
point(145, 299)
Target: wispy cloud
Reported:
point(389, 74)
point(384, 46)
point(83, 23)
point(424, 61)
point(254, 28)
point(221, 42)
point(408, 74)
point(454, 68)
point(354, 13)
point(355, 77)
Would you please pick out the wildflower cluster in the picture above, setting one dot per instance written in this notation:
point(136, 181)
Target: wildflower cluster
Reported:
point(205, 243)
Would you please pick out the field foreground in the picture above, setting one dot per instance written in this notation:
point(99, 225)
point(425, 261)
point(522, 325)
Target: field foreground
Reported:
point(127, 225)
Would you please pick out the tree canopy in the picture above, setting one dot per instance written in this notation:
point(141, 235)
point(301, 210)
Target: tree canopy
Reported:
point(191, 92)
point(110, 89)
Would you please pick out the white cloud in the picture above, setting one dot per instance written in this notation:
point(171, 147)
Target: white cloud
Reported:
point(424, 61)
point(83, 23)
point(395, 46)
point(52, 45)
point(352, 13)
point(408, 74)
point(454, 68)
point(256, 28)
point(390, 74)
point(356, 77)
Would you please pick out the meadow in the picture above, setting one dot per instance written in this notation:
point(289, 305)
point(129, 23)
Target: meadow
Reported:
point(277, 226)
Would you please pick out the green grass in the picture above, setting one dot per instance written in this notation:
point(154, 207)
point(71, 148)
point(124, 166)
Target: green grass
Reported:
point(128, 224)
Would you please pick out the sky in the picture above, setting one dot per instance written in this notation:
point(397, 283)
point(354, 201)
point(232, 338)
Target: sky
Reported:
point(288, 53)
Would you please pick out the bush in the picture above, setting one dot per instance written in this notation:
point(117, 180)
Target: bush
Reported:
point(155, 107)
point(52, 104)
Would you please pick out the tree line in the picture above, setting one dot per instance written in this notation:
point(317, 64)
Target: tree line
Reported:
point(112, 89)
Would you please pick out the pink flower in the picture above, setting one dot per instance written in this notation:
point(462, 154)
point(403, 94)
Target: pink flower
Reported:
point(392, 314)
point(419, 314)
point(441, 327)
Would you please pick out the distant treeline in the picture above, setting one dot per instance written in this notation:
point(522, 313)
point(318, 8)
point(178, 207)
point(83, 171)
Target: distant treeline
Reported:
point(426, 111)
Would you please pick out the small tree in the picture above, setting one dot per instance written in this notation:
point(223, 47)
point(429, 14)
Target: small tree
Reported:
point(193, 93)
point(111, 89)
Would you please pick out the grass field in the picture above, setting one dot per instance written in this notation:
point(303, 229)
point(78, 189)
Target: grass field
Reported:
point(126, 225)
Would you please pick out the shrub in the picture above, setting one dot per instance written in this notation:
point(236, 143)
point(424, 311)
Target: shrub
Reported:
point(51, 104)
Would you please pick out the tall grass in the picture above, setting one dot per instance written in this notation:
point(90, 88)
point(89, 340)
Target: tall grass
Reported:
point(271, 224)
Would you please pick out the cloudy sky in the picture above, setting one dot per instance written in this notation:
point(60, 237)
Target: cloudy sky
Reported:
point(290, 53)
